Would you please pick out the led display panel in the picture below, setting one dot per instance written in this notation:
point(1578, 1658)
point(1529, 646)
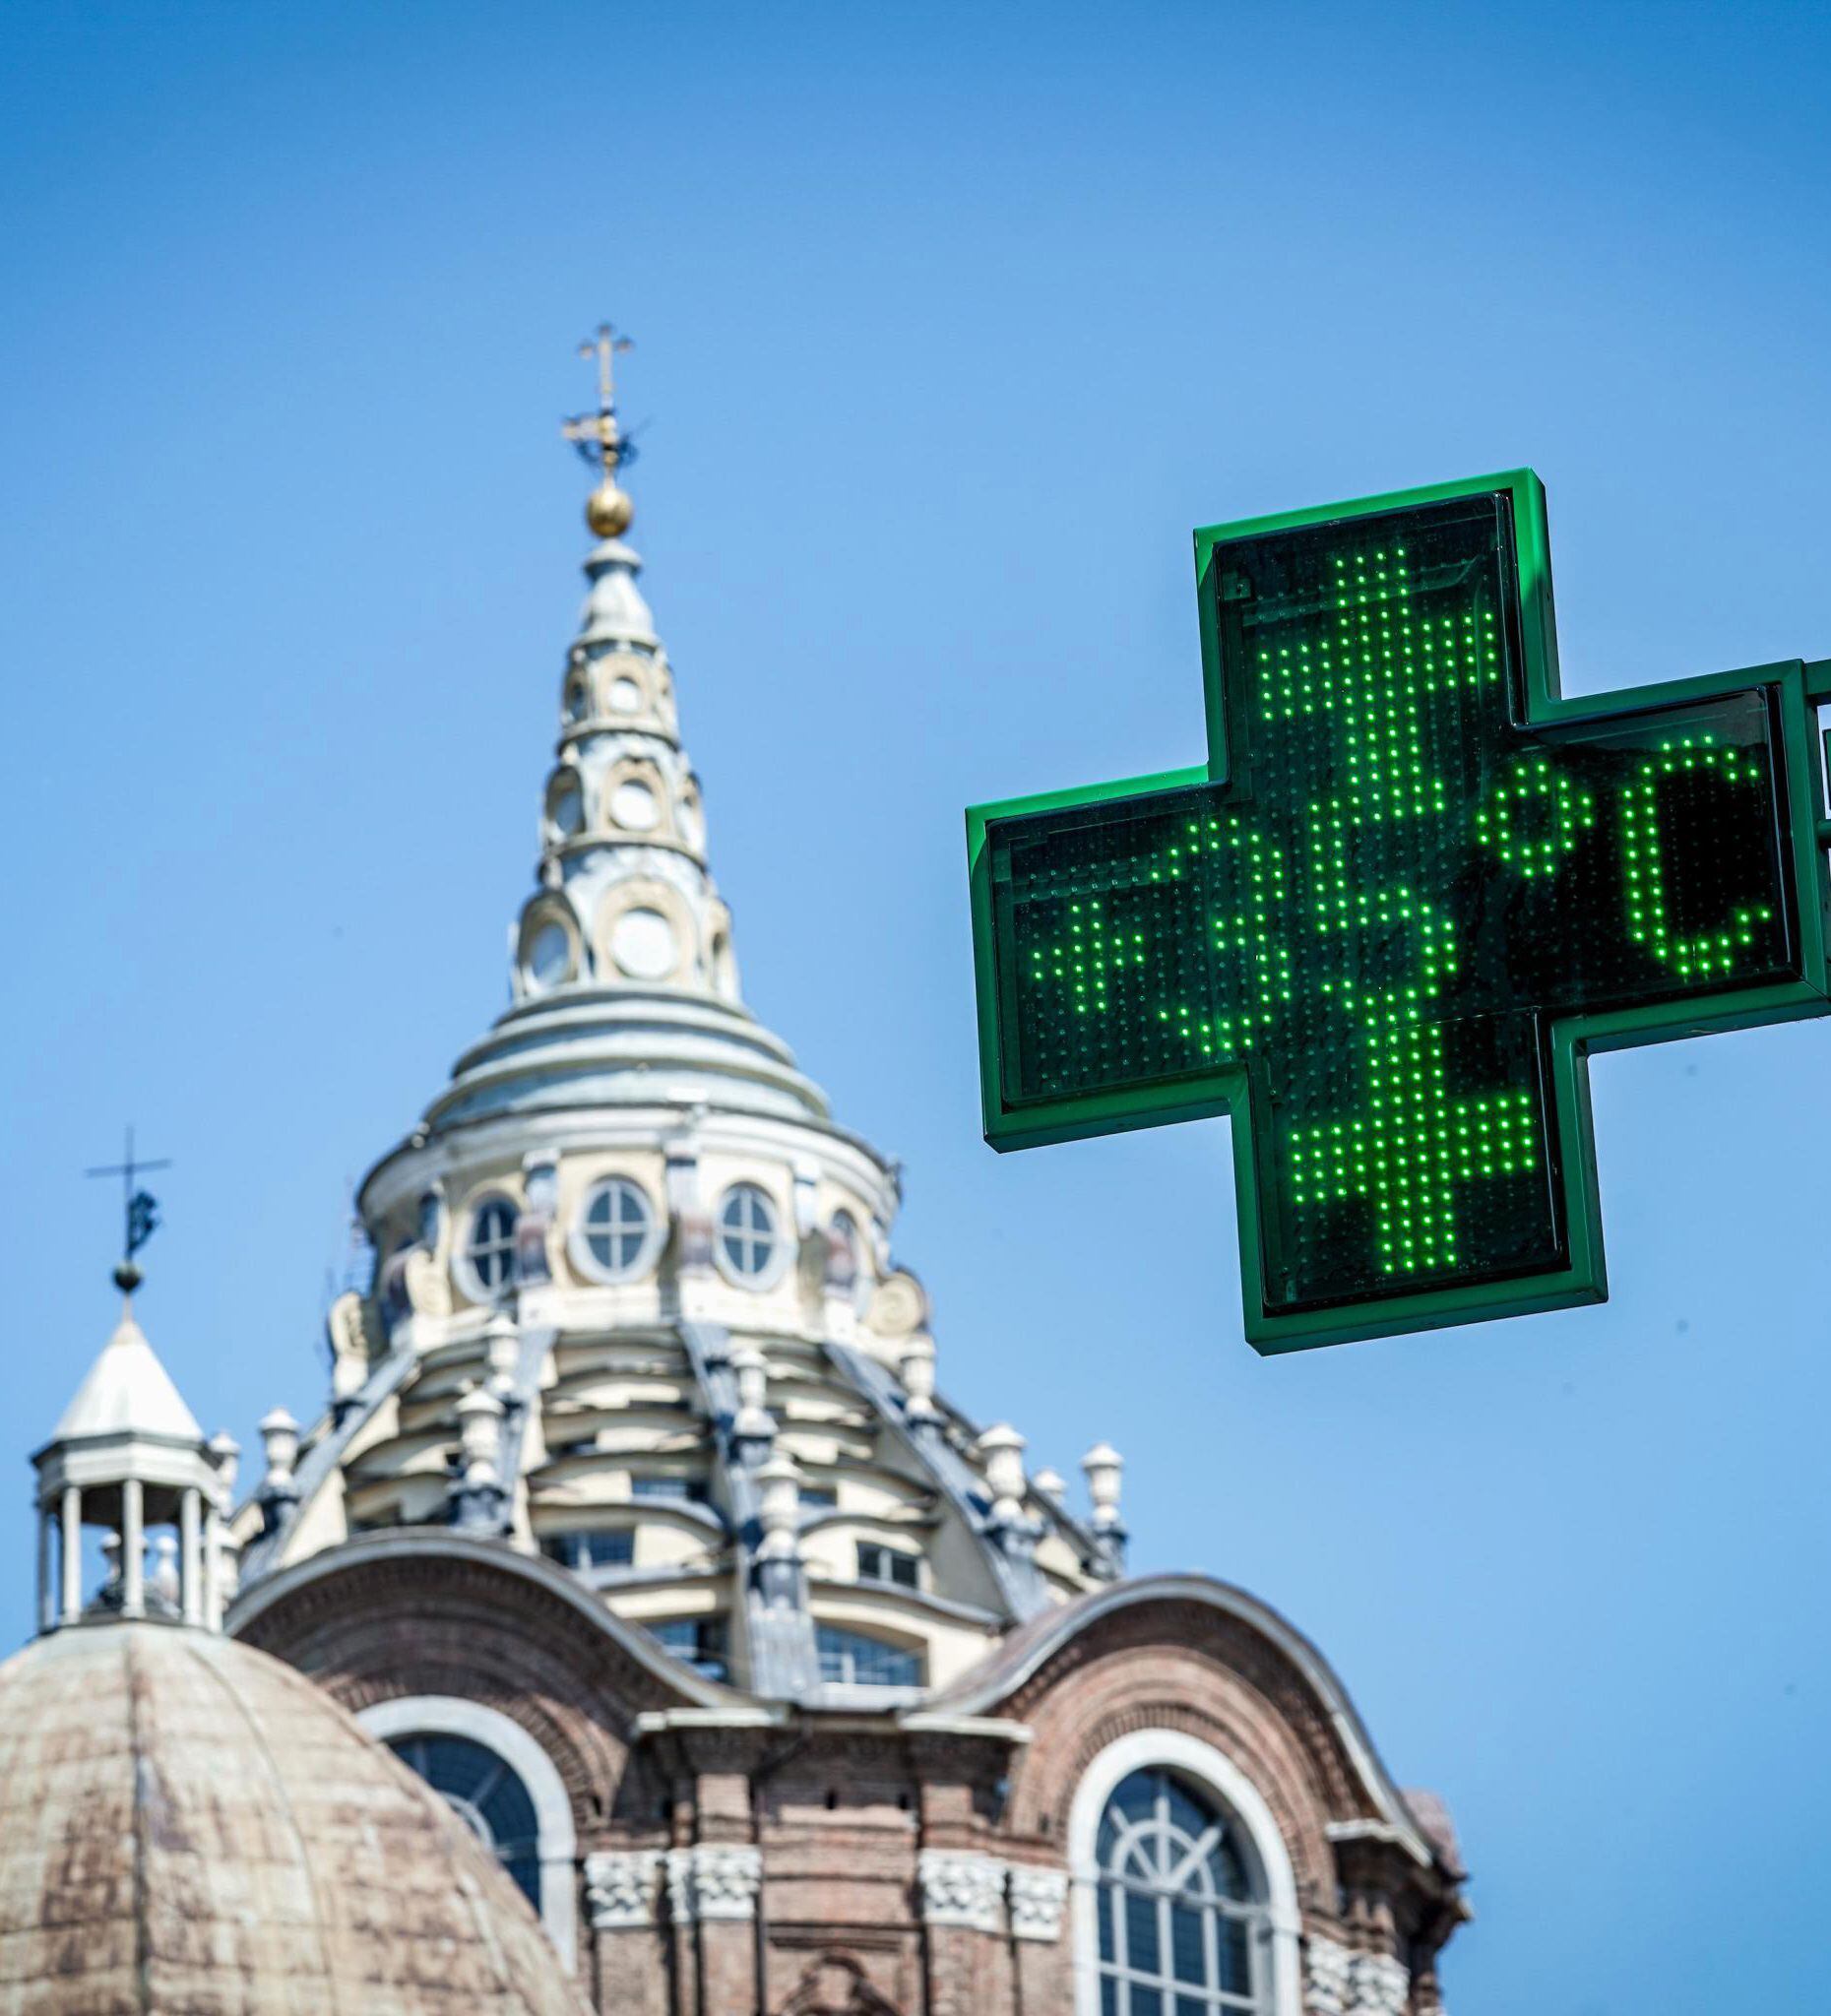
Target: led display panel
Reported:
point(1362, 929)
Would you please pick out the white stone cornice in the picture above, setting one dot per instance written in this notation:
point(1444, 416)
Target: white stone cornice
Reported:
point(1037, 1898)
point(622, 1887)
point(714, 1880)
point(960, 1888)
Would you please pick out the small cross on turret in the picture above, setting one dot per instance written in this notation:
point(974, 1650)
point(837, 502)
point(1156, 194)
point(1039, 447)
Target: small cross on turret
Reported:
point(139, 1210)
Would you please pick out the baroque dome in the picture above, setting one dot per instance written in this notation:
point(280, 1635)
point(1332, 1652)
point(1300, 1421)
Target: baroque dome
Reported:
point(187, 1823)
point(634, 1304)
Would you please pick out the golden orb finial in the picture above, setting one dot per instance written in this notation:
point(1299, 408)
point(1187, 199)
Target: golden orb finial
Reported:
point(609, 511)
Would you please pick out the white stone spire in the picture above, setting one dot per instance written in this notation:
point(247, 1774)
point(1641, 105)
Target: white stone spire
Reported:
point(624, 986)
point(625, 901)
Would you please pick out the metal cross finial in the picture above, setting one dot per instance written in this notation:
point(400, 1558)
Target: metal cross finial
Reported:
point(605, 346)
point(597, 436)
point(138, 1209)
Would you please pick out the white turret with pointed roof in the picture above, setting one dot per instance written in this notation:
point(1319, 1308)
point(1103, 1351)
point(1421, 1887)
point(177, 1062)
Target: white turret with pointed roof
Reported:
point(129, 1457)
point(634, 1304)
point(127, 1392)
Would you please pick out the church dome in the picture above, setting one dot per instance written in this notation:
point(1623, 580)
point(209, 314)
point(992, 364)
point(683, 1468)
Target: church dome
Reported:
point(185, 1823)
point(634, 1302)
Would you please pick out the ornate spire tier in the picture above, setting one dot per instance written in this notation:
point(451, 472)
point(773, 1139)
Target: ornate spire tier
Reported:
point(622, 976)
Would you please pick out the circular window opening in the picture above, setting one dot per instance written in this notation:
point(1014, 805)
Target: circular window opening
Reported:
point(490, 1249)
point(633, 805)
point(566, 809)
point(617, 1225)
point(747, 1240)
point(550, 956)
point(642, 943)
point(625, 696)
point(578, 698)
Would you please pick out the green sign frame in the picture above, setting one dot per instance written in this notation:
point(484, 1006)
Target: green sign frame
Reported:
point(1794, 689)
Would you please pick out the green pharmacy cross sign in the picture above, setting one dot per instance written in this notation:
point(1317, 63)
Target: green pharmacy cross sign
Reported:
point(1386, 924)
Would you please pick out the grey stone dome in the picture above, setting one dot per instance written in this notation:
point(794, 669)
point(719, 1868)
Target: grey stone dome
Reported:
point(187, 1825)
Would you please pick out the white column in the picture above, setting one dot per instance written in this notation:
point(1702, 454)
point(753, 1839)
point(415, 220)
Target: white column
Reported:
point(47, 1614)
point(133, 1549)
point(190, 1563)
point(72, 1556)
point(213, 1568)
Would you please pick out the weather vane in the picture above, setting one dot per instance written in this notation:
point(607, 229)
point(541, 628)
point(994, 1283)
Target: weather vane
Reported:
point(600, 441)
point(139, 1211)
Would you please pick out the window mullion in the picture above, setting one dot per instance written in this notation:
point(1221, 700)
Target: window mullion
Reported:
point(1211, 1946)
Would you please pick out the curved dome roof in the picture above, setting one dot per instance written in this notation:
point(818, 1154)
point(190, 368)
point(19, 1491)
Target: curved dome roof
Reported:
point(187, 1823)
point(635, 1303)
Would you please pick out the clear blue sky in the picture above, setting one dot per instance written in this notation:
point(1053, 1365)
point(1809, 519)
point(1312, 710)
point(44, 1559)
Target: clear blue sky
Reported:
point(951, 322)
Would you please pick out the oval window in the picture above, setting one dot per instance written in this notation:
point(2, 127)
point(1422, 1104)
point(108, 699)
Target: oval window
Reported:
point(748, 1239)
point(617, 1226)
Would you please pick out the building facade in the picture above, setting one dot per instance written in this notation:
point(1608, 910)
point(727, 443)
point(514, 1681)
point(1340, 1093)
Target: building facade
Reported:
point(636, 1523)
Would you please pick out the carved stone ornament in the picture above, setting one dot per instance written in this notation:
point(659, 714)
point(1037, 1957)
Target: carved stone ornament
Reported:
point(1338, 1981)
point(428, 1293)
point(1382, 1986)
point(898, 1305)
point(1037, 1898)
point(620, 1887)
point(1328, 1975)
point(713, 1881)
point(352, 1329)
point(836, 1985)
point(960, 1888)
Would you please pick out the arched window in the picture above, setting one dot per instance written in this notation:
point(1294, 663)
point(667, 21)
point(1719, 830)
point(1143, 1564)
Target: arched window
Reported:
point(455, 1745)
point(846, 1232)
point(489, 1251)
point(565, 805)
point(546, 961)
point(486, 1795)
point(1184, 1895)
point(1182, 1926)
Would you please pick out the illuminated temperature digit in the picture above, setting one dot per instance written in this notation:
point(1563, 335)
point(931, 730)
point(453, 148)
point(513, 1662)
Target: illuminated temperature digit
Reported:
point(1649, 915)
point(1535, 818)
